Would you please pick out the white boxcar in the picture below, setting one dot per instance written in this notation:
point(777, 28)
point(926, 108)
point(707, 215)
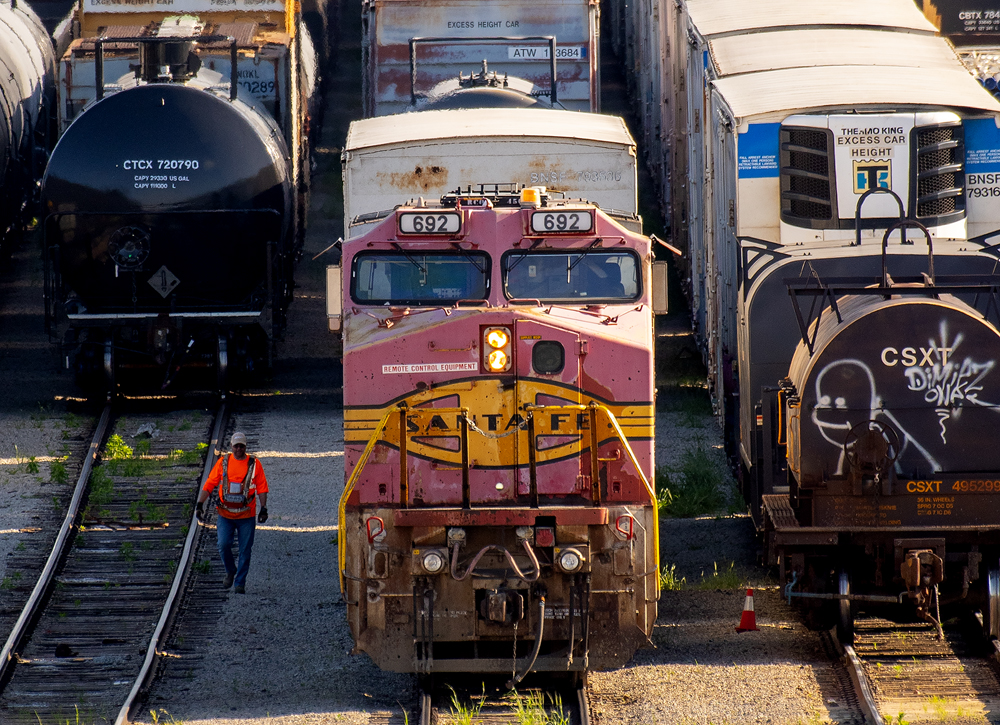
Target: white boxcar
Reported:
point(442, 32)
point(392, 159)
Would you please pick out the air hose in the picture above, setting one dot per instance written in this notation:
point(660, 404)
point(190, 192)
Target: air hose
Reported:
point(512, 683)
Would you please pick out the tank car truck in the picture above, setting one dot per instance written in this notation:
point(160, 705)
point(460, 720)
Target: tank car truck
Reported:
point(434, 152)
point(169, 225)
point(416, 52)
point(26, 136)
point(276, 61)
point(841, 237)
point(498, 513)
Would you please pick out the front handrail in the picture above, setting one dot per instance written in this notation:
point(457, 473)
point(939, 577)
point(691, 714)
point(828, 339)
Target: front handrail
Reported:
point(382, 432)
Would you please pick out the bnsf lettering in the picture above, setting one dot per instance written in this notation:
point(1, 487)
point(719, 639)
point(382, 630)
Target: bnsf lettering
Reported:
point(982, 179)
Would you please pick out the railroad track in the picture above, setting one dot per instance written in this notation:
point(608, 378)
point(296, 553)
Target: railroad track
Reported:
point(89, 636)
point(905, 668)
point(489, 702)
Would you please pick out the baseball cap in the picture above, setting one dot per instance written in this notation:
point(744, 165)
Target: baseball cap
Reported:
point(238, 437)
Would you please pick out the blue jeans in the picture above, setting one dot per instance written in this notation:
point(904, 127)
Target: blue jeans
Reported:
point(227, 529)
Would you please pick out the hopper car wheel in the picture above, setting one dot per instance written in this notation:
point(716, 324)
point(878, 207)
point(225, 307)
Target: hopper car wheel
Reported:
point(222, 364)
point(991, 618)
point(845, 615)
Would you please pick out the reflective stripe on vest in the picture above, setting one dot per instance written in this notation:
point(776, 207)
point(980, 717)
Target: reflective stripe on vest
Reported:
point(237, 503)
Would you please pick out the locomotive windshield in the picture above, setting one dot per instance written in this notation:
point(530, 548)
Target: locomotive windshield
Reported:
point(419, 278)
point(579, 275)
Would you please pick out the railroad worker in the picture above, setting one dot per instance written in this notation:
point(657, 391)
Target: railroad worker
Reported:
point(240, 481)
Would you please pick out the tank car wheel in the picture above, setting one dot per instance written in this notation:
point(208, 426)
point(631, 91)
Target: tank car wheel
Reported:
point(845, 614)
point(109, 366)
point(222, 364)
point(991, 612)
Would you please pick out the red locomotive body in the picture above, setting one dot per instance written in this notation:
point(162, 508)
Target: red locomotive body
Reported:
point(498, 405)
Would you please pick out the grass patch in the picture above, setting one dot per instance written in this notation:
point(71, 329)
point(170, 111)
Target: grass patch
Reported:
point(116, 449)
point(57, 472)
point(702, 487)
point(726, 579)
point(462, 714)
point(669, 581)
point(530, 709)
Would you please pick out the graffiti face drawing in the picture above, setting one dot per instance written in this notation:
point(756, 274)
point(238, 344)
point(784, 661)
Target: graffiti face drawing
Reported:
point(845, 397)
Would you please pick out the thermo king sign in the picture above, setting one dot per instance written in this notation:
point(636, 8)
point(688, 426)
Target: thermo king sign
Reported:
point(757, 151)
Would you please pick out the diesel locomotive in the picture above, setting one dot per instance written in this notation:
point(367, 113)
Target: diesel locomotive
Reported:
point(28, 91)
point(168, 227)
point(498, 513)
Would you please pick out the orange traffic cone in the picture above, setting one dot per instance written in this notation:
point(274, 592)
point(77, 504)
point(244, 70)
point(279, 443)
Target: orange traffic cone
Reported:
point(748, 622)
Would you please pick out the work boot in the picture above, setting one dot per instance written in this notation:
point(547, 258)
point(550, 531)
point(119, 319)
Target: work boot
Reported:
point(240, 590)
point(228, 581)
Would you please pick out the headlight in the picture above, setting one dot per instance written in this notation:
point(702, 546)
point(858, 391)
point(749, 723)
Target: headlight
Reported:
point(497, 344)
point(497, 360)
point(433, 562)
point(497, 337)
point(570, 560)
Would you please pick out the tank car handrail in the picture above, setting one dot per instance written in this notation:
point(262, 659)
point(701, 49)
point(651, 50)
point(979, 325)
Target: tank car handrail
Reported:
point(551, 39)
point(99, 55)
point(348, 489)
point(861, 201)
point(902, 226)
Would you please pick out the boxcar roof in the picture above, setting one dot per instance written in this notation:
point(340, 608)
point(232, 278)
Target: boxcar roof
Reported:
point(818, 47)
point(486, 122)
point(849, 87)
point(717, 17)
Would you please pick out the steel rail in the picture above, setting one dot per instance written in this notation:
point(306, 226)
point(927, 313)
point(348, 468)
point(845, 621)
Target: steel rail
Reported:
point(866, 698)
point(44, 583)
point(180, 576)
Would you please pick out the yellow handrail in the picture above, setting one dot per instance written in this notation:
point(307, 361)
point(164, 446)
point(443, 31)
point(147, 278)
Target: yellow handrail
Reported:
point(348, 488)
point(619, 433)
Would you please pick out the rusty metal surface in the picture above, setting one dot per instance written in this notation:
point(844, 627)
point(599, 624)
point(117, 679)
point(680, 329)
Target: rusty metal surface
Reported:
point(780, 511)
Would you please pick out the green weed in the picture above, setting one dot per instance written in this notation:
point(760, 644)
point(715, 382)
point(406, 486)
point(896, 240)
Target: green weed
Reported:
point(462, 714)
point(32, 465)
point(127, 551)
point(116, 449)
point(727, 579)
point(57, 472)
point(156, 717)
point(530, 709)
point(703, 487)
point(202, 567)
point(669, 581)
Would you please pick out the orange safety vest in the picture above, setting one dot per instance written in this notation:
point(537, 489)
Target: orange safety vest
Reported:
point(237, 502)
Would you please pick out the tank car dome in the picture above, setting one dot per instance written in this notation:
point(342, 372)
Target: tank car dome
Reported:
point(483, 98)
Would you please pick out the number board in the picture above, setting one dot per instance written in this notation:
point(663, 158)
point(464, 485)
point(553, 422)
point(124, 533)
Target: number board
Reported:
point(425, 222)
point(562, 222)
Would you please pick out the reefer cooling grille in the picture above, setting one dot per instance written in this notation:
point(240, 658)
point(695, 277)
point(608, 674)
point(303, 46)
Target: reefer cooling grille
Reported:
point(806, 180)
point(939, 178)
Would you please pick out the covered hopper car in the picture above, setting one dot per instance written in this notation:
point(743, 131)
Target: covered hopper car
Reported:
point(498, 514)
point(168, 228)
